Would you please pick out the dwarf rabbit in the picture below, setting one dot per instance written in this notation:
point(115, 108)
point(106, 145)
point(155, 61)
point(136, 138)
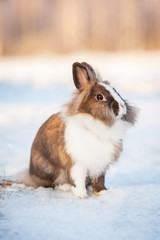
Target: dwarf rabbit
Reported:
point(75, 147)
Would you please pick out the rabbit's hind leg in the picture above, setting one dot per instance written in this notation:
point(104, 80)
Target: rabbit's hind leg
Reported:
point(43, 171)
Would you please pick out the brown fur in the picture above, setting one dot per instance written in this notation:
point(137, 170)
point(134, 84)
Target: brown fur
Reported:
point(98, 184)
point(49, 159)
point(85, 102)
point(83, 74)
point(50, 164)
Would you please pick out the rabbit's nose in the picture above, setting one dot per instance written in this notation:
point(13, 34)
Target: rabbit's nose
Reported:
point(122, 105)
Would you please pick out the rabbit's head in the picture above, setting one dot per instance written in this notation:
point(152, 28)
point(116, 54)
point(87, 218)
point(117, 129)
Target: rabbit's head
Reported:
point(98, 98)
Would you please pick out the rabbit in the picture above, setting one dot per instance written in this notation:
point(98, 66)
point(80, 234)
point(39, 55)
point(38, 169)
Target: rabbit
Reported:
point(74, 147)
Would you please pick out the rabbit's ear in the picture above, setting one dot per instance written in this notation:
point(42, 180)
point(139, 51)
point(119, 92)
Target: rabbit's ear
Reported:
point(82, 75)
point(89, 67)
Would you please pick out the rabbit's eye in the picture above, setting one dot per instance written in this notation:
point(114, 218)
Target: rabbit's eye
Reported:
point(99, 97)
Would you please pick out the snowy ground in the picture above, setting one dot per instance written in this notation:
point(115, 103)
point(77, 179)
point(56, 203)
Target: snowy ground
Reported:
point(31, 89)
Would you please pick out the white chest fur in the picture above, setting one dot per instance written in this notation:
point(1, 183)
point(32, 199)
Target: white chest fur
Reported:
point(91, 143)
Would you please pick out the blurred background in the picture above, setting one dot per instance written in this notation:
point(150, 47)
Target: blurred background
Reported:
point(39, 41)
point(64, 26)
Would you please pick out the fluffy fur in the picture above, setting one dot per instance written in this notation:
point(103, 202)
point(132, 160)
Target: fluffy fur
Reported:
point(75, 147)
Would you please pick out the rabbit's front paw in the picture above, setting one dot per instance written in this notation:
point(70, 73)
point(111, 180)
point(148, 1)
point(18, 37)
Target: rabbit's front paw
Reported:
point(79, 192)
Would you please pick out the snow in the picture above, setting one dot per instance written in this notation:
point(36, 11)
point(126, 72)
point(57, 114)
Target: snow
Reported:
point(131, 207)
